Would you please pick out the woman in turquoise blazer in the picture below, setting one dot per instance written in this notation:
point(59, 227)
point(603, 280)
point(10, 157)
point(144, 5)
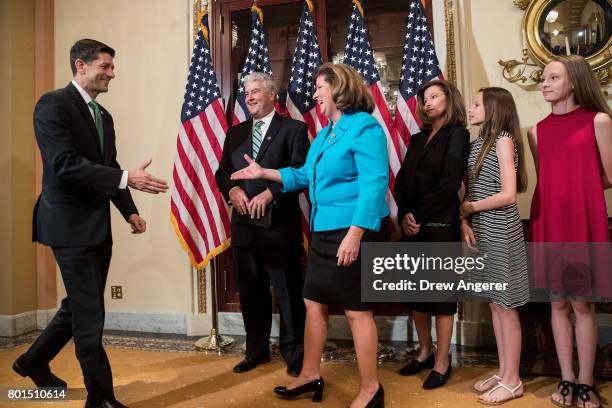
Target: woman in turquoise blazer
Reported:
point(347, 174)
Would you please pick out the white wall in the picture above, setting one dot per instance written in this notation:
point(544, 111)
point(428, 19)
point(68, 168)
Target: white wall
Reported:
point(490, 31)
point(151, 38)
point(152, 42)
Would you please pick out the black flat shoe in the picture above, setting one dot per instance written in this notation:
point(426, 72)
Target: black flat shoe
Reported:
point(415, 366)
point(315, 386)
point(436, 380)
point(378, 400)
point(41, 376)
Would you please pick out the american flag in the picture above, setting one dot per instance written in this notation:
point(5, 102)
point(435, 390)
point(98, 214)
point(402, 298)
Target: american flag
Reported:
point(359, 55)
point(419, 66)
point(198, 211)
point(257, 60)
point(300, 103)
point(306, 59)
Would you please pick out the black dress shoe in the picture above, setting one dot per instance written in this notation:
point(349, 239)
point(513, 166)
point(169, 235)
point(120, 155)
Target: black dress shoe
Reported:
point(250, 363)
point(415, 366)
point(378, 400)
point(104, 404)
point(436, 380)
point(315, 386)
point(294, 370)
point(42, 376)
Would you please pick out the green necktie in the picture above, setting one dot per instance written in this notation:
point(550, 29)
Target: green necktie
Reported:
point(257, 136)
point(98, 120)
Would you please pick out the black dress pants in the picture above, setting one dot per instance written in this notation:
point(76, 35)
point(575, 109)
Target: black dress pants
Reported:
point(258, 267)
point(80, 316)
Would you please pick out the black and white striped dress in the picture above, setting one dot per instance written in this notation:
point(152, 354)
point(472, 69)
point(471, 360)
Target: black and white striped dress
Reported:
point(498, 232)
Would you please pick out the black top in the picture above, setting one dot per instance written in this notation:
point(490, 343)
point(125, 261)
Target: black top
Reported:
point(430, 177)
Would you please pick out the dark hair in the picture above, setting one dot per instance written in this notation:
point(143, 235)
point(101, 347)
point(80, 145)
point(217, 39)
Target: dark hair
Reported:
point(348, 89)
point(87, 50)
point(501, 117)
point(455, 108)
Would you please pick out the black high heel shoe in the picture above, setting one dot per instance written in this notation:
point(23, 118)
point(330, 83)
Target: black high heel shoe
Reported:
point(378, 400)
point(315, 386)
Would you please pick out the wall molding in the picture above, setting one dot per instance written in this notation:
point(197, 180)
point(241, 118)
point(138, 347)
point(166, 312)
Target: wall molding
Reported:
point(390, 328)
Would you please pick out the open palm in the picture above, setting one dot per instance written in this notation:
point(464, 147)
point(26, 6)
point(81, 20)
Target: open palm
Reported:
point(252, 171)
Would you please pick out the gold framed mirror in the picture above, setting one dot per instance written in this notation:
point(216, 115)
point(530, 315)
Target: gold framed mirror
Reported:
point(551, 27)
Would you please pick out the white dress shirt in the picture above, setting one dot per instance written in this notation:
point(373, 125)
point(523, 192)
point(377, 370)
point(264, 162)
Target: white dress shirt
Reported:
point(88, 98)
point(265, 125)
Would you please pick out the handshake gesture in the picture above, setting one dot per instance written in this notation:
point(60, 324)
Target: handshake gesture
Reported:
point(139, 179)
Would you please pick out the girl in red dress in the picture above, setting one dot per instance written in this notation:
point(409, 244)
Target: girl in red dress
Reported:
point(572, 150)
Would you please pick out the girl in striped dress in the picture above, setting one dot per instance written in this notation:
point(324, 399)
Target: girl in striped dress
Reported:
point(491, 221)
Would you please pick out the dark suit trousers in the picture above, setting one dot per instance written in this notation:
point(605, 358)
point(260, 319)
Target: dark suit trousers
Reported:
point(257, 268)
point(80, 316)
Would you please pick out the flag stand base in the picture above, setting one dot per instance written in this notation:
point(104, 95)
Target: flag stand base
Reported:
point(214, 342)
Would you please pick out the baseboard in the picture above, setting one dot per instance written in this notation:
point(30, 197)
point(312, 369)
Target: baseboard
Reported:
point(146, 322)
point(43, 317)
point(474, 333)
point(15, 325)
point(390, 328)
point(199, 324)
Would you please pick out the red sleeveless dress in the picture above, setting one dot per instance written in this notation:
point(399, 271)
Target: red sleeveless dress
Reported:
point(569, 207)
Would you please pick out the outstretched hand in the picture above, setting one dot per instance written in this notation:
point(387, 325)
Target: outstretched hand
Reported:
point(251, 172)
point(140, 179)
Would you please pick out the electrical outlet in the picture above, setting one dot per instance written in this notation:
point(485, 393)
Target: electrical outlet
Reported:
point(116, 292)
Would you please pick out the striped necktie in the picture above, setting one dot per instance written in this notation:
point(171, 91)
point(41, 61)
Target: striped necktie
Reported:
point(257, 136)
point(98, 121)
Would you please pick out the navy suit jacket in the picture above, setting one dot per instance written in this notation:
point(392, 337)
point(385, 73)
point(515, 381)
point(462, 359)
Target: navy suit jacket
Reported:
point(79, 178)
point(284, 144)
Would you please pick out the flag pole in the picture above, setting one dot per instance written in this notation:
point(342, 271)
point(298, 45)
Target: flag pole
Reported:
point(214, 341)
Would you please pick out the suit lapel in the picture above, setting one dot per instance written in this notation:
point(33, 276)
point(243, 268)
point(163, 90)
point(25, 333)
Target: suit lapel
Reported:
point(429, 147)
point(78, 100)
point(338, 131)
point(106, 125)
point(273, 129)
point(247, 147)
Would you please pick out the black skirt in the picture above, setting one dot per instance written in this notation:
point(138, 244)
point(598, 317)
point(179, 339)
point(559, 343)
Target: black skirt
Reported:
point(329, 284)
point(434, 234)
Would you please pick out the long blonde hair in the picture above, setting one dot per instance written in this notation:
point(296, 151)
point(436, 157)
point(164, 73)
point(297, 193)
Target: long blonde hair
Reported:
point(587, 91)
point(501, 116)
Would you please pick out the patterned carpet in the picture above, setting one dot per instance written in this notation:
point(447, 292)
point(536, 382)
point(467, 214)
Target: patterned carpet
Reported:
point(153, 370)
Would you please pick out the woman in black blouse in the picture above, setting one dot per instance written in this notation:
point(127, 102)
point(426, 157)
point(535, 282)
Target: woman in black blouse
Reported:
point(426, 192)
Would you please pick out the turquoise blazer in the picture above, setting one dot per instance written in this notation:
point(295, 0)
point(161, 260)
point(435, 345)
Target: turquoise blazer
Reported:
point(346, 173)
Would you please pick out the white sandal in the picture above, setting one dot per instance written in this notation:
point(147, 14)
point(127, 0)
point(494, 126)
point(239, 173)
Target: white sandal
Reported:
point(494, 377)
point(504, 386)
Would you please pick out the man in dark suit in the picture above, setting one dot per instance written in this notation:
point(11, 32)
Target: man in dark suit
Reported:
point(81, 176)
point(266, 254)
